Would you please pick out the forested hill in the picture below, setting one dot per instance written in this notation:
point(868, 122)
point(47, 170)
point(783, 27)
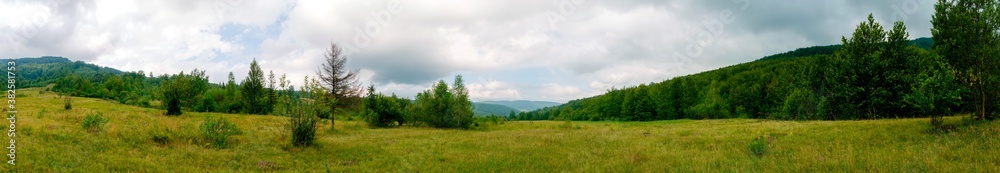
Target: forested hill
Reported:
point(924, 43)
point(798, 84)
point(41, 71)
point(524, 105)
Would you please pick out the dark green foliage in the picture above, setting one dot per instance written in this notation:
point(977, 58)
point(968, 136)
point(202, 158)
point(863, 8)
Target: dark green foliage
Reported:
point(966, 37)
point(272, 94)
point(712, 104)
point(68, 103)
point(231, 101)
point(183, 90)
point(94, 122)
point(935, 92)
point(872, 71)
point(758, 147)
point(800, 105)
point(161, 139)
point(302, 124)
point(442, 107)
point(253, 93)
point(177, 92)
point(217, 131)
point(867, 77)
point(804, 52)
point(207, 104)
point(173, 107)
point(384, 111)
point(42, 71)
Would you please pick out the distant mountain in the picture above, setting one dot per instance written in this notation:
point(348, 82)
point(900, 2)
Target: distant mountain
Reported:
point(41, 71)
point(486, 109)
point(524, 105)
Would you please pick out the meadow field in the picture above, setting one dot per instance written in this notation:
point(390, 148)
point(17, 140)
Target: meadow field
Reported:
point(134, 139)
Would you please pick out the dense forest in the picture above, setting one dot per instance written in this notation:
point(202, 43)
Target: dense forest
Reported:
point(874, 73)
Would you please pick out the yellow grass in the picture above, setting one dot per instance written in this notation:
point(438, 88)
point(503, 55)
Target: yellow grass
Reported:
point(55, 141)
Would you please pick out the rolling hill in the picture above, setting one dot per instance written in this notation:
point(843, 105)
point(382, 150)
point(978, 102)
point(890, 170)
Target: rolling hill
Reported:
point(789, 85)
point(523, 105)
point(486, 109)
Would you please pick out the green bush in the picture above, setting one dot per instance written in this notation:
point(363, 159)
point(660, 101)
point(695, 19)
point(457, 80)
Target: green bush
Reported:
point(161, 139)
point(758, 147)
point(442, 107)
point(94, 122)
point(303, 126)
point(68, 105)
point(801, 104)
point(384, 111)
point(217, 130)
point(207, 104)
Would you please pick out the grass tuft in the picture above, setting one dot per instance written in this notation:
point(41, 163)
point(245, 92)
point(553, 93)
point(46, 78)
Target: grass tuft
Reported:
point(217, 131)
point(758, 147)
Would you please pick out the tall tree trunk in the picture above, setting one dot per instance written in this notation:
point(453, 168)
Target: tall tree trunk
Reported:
point(333, 111)
point(982, 98)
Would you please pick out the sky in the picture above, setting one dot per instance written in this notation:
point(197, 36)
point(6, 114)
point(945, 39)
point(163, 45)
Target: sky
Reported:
point(555, 50)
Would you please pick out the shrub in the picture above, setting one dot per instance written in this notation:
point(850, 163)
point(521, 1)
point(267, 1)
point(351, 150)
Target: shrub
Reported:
point(217, 130)
point(303, 126)
point(161, 139)
point(94, 122)
point(207, 104)
point(68, 105)
point(41, 114)
point(934, 93)
point(758, 147)
point(442, 107)
point(383, 111)
point(567, 124)
point(173, 107)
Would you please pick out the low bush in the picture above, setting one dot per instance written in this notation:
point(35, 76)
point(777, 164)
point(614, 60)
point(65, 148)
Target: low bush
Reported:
point(383, 111)
point(217, 131)
point(94, 122)
point(758, 147)
point(68, 105)
point(161, 139)
point(303, 126)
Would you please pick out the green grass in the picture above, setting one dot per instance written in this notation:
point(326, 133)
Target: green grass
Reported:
point(138, 139)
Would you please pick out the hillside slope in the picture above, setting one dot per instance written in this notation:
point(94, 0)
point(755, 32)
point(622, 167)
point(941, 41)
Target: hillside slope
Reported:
point(790, 85)
point(41, 71)
point(524, 105)
point(486, 109)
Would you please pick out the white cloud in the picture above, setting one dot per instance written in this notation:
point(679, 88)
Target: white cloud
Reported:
point(599, 45)
point(493, 90)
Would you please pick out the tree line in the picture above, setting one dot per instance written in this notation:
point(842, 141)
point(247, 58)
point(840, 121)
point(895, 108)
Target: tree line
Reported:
point(334, 90)
point(876, 73)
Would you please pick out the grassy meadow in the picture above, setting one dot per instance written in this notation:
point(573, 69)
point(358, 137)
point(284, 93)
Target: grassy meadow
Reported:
point(52, 139)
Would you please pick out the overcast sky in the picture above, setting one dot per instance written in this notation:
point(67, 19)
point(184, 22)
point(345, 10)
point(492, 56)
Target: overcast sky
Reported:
point(506, 49)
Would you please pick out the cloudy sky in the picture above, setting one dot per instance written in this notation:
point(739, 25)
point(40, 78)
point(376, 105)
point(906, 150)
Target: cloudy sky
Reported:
point(555, 50)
